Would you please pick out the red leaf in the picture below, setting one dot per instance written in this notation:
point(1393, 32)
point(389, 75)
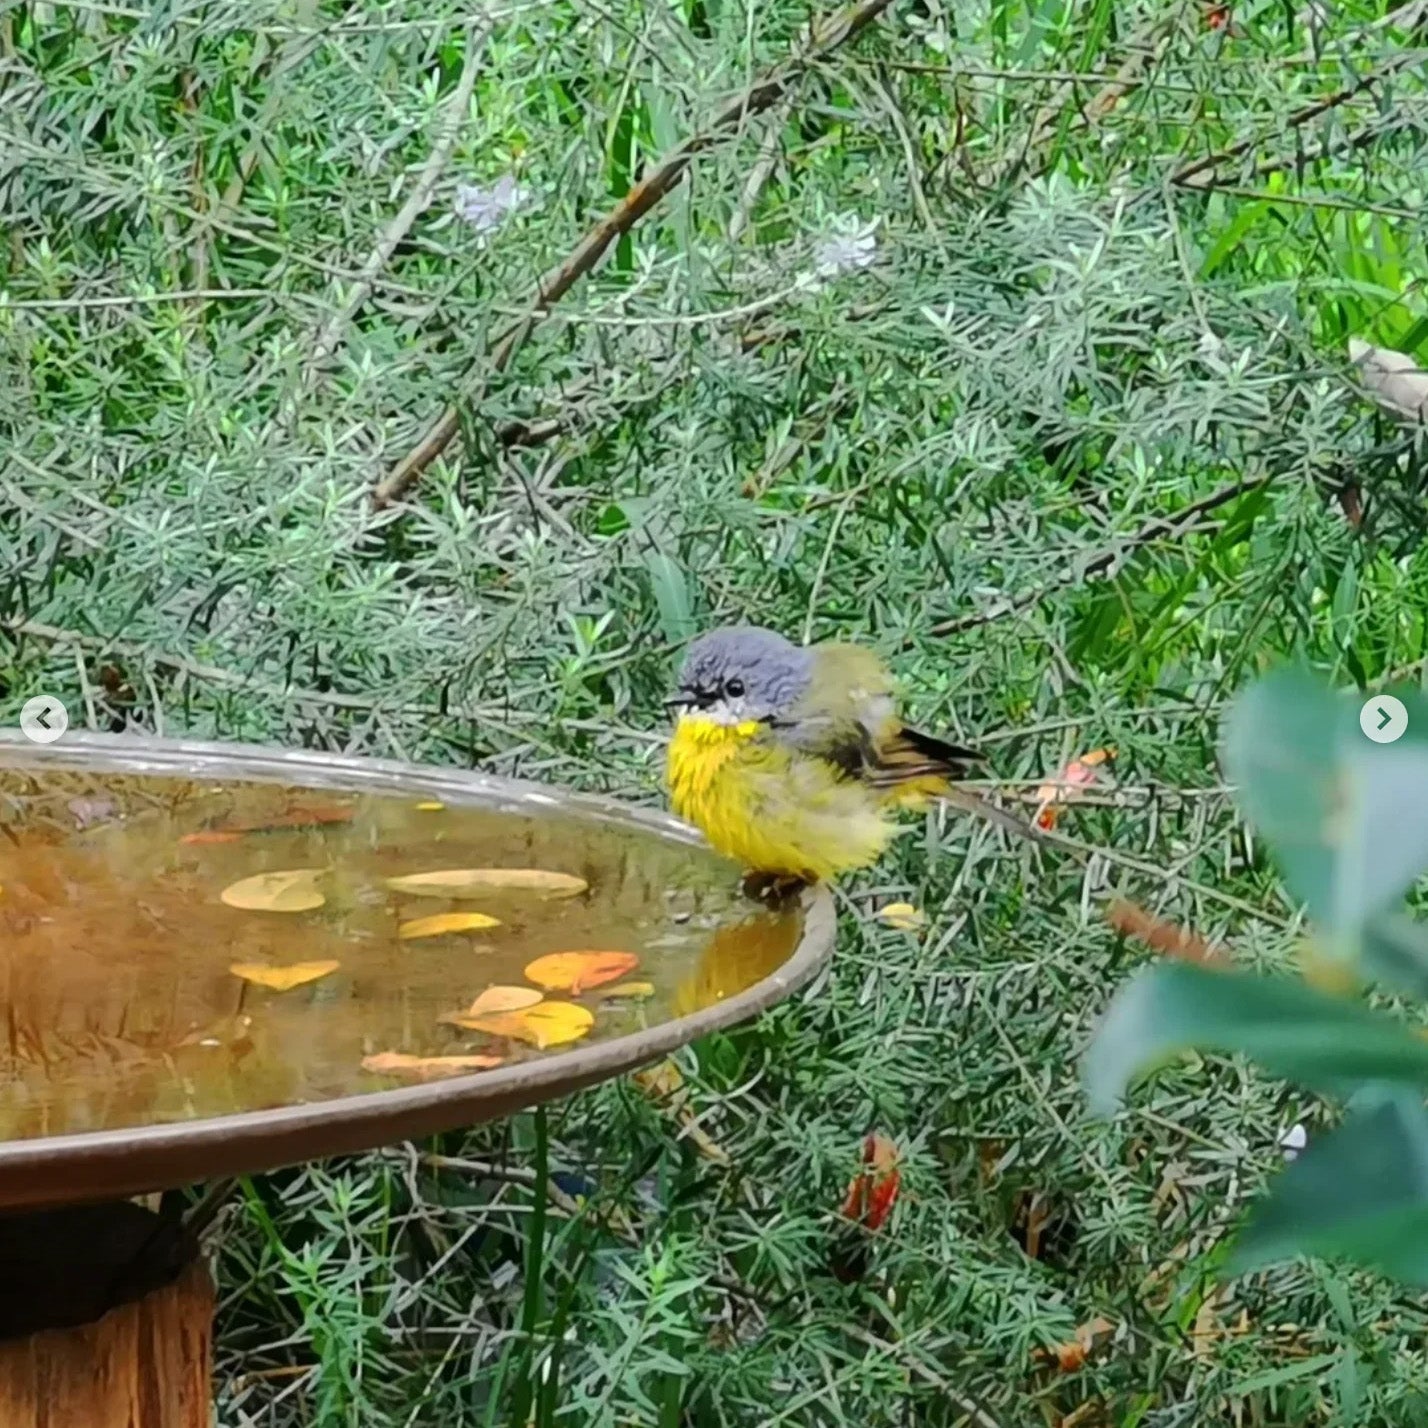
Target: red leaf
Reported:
point(873, 1190)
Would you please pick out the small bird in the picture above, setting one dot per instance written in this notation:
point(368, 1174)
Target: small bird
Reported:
point(792, 759)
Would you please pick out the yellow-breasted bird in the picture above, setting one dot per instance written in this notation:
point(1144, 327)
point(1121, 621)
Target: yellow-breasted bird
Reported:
point(792, 759)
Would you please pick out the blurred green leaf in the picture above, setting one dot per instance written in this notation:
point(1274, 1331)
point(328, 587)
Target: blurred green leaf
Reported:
point(672, 598)
point(1289, 1028)
point(1347, 818)
point(1359, 1192)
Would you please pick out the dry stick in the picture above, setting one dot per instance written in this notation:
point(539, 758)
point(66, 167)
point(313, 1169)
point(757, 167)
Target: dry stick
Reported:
point(448, 128)
point(1098, 564)
point(662, 179)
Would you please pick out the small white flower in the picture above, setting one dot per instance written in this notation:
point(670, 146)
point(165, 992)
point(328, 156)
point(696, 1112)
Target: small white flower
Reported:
point(485, 209)
point(850, 246)
point(1294, 1140)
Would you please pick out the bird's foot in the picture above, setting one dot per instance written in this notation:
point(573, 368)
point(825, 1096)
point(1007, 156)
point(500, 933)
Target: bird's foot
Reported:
point(775, 889)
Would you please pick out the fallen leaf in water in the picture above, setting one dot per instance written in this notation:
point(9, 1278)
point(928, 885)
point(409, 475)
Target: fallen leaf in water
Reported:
point(305, 816)
point(545, 1024)
point(445, 922)
point(478, 882)
point(504, 999)
point(315, 816)
point(576, 972)
point(89, 811)
point(903, 916)
point(1066, 786)
point(554, 1023)
point(283, 979)
point(398, 1063)
point(635, 990)
point(430, 805)
point(292, 890)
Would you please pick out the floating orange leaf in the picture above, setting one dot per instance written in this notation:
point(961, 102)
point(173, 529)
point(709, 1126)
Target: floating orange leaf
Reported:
point(478, 882)
point(430, 805)
point(212, 835)
point(445, 922)
point(545, 1024)
point(1160, 935)
point(504, 999)
point(576, 972)
point(283, 979)
point(902, 915)
point(874, 1188)
point(292, 890)
point(637, 991)
point(425, 1068)
point(494, 1001)
point(1066, 786)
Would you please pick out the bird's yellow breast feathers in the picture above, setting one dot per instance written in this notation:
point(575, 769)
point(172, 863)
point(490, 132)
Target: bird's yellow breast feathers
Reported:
point(768, 808)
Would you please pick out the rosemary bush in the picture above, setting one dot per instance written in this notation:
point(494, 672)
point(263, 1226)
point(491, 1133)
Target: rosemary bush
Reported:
point(1010, 339)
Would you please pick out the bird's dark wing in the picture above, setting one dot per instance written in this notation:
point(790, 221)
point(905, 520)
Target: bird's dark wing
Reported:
point(904, 755)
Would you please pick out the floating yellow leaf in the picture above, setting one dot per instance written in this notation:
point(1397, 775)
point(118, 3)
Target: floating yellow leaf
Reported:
point(430, 805)
point(576, 972)
point(480, 882)
point(504, 999)
point(546, 1024)
point(445, 922)
point(283, 979)
point(398, 1063)
point(638, 990)
point(292, 890)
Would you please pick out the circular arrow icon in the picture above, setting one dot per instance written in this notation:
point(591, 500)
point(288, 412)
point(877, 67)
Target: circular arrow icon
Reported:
point(1383, 718)
point(43, 719)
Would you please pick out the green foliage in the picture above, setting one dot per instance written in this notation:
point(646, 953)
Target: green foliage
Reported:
point(1347, 819)
point(987, 453)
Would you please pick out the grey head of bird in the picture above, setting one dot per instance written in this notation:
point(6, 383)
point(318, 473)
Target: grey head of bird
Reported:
point(742, 673)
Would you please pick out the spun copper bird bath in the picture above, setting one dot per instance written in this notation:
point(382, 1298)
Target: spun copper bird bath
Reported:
point(105, 1306)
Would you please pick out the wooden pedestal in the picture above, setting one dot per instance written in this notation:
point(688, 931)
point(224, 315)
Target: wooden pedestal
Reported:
point(106, 1321)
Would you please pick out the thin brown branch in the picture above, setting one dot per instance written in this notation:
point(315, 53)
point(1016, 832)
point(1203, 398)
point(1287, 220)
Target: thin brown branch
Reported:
point(765, 92)
point(1160, 527)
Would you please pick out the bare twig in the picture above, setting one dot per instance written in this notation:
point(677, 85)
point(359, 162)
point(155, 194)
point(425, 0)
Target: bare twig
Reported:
point(1106, 559)
point(765, 92)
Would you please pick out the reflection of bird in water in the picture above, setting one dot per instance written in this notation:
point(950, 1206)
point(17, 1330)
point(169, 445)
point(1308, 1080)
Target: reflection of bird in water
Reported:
point(735, 958)
point(792, 759)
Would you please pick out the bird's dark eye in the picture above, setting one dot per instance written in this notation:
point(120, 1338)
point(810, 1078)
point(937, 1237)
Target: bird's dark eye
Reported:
point(734, 688)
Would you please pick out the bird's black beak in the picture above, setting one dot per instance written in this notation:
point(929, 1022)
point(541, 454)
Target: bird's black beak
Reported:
point(678, 701)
